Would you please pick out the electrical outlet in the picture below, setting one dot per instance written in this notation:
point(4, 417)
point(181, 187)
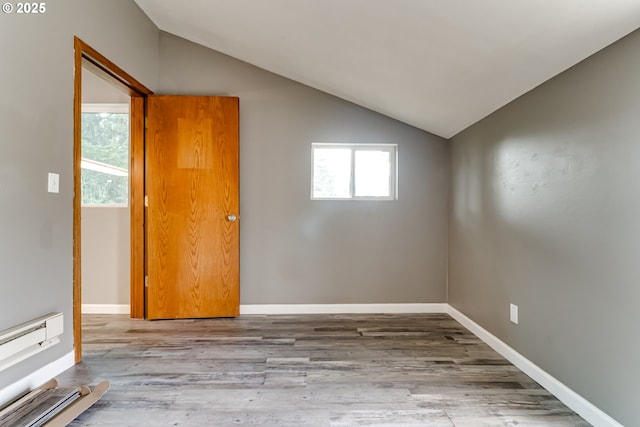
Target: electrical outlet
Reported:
point(513, 313)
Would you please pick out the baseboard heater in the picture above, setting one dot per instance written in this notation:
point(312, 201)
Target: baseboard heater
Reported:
point(25, 340)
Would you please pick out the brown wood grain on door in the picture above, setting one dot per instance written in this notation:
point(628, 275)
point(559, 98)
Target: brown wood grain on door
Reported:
point(192, 188)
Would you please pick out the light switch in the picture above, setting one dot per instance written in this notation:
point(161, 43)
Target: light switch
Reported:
point(54, 183)
point(513, 313)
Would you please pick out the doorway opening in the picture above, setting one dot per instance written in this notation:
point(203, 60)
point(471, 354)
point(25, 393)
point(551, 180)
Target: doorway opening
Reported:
point(87, 59)
point(105, 206)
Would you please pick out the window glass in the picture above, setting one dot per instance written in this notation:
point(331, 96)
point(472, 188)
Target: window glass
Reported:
point(372, 171)
point(331, 171)
point(105, 158)
point(354, 171)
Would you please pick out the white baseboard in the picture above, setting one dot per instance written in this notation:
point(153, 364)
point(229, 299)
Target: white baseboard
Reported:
point(342, 308)
point(106, 309)
point(297, 308)
point(573, 400)
point(37, 378)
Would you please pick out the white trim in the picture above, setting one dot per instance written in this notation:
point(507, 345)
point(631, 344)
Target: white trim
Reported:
point(106, 309)
point(94, 165)
point(37, 378)
point(102, 206)
point(119, 108)
point(573, 400)
point(342, 308)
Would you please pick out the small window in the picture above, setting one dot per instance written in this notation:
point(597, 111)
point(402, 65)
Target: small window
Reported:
point(105, 155)
point(353, 171)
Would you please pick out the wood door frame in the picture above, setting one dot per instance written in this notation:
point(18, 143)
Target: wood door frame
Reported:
point(86, 56)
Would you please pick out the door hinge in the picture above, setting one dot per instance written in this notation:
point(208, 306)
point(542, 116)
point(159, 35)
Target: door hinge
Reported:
point(146, 281)
point(146, 123)
point(146, 201)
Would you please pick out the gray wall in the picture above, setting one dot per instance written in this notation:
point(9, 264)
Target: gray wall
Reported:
point(545, 214)
point(36, 137)
point(294, 250)
point(105, 255)
point(97, 91)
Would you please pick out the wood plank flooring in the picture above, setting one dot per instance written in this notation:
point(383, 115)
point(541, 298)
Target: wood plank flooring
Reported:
point(312, 370)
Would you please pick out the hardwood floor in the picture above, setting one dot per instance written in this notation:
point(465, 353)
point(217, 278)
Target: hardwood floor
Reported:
point(313, 370)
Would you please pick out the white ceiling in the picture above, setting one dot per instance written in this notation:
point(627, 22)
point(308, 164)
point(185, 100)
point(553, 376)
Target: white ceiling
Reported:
point(440, 65)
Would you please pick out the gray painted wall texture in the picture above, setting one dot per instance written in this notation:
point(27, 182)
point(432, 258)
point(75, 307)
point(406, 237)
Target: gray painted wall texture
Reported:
point(294, 250)
point(106, 265)
point(544, 214)
point(97, 91)
point(36, 137)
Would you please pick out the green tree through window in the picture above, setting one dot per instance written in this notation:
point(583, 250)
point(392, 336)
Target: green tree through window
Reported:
point(105, 158)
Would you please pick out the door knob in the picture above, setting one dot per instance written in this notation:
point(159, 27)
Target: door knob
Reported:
point(232, 217)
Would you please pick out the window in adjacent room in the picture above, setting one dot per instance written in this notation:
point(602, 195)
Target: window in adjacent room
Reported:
point(354, 171)
point(105, 155)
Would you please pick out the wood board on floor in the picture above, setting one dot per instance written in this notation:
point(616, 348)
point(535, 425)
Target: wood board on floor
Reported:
point(79, 406)
point(311, 370)
point(50, 405)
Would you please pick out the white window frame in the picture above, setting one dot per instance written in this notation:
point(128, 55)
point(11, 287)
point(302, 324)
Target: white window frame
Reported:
point(392, 149)
point(121, 108)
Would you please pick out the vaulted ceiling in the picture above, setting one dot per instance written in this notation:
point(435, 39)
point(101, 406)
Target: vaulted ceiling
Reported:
point(439, 65)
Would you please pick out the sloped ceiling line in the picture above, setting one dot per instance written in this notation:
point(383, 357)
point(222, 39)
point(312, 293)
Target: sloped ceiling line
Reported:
point(439, 65)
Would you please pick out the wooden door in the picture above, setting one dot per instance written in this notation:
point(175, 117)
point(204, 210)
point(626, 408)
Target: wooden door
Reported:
point(192, 215)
